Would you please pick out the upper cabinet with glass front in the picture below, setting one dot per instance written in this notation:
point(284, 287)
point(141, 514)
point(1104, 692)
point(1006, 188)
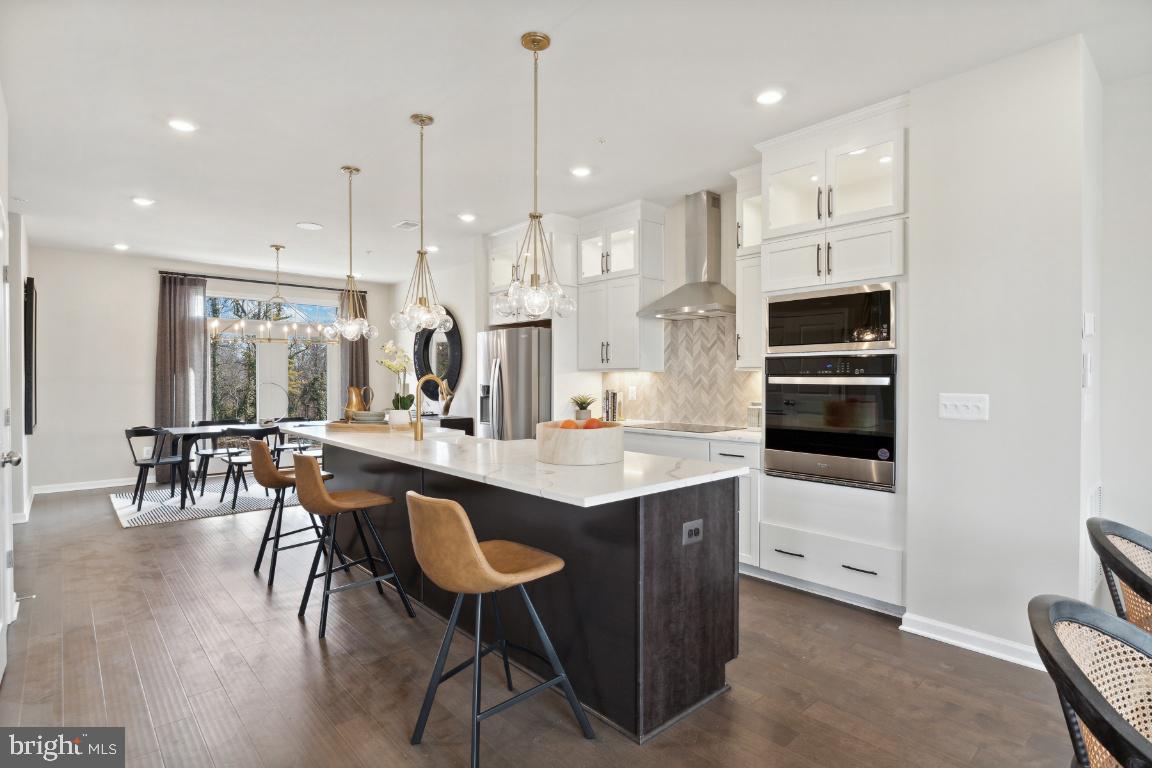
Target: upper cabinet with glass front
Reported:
point(623, 241)
point(845, 171)
point(749, 210)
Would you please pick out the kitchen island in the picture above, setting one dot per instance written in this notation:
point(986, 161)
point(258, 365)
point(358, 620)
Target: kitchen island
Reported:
point(644, 614)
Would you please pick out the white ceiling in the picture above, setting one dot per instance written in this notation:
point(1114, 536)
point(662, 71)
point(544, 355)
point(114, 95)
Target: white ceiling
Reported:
point(286, 91)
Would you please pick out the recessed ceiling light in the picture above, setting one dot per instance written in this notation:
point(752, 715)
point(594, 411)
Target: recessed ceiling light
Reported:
point(406, 225)
point(467, 218)
point(580, 171)
point(433, 249)
point(357, 275)
point(814, 178)
point(886, 159)
point(770, 96)
point(143, 202)
point(182, 125)
point(121, 246)
point(311, 226)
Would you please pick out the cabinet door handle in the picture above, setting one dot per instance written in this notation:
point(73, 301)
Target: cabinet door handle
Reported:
point(607, 351)
point(790, 554)
point(609, 260)
point(737, 346)
point(828, 259)
point(732, 456)
point(859, 570)
point(819, 199)
point(818, 272)
point(601, 351)
point(829, 202)
point(738, 228)
point(602, 262)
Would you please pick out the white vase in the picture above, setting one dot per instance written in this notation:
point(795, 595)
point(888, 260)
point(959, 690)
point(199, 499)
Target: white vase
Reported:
point(397, 418)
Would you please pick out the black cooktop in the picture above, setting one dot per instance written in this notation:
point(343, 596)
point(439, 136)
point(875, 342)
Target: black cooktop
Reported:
point(675, 426)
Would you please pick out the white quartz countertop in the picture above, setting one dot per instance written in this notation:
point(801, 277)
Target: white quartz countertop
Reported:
point(512, 464)
point(735, 435)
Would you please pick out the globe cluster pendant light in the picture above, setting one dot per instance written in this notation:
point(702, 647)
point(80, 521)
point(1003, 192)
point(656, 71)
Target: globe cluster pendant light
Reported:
point(422, 309)
point(351, 321)
point(537, 291)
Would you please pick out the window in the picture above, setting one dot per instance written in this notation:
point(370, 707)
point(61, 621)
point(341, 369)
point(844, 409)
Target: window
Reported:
point(266, 360)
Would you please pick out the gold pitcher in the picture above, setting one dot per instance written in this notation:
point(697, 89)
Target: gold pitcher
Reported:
point(359, 399)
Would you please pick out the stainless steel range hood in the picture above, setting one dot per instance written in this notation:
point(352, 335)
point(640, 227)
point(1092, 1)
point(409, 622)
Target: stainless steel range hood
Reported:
point(703, 295)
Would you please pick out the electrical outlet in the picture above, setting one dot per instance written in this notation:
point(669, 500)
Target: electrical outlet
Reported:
point(963, 407)
point(693, 532)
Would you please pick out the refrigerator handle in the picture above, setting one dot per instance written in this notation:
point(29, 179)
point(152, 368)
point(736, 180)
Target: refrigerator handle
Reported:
point(496, 409)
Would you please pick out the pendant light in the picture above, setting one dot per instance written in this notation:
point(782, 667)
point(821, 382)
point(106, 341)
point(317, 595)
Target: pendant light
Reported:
point(422, 309)
point(535, 288)
point(351, 321)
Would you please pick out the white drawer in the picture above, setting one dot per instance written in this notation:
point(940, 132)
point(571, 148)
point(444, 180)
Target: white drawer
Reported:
point(852, 566)
point(662, 445)
point(731, 452)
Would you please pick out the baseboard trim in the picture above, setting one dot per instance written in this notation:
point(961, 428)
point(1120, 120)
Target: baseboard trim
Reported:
point(970, 639)
point(85, 485)
point(860, 601)
point(26, 515)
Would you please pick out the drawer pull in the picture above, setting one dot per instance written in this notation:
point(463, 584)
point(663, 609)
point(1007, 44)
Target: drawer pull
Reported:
point(791, 554)
point(859, 570)
point(732, 455)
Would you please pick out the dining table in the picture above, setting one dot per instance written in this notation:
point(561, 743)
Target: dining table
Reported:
point(187, 437)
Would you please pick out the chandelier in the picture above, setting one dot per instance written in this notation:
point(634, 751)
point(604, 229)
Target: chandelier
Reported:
point(422, 309)
point(541, 291)
point(351, 321)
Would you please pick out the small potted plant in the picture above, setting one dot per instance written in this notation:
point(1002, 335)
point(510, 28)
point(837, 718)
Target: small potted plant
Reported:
point(583, 403)
point(398, 361)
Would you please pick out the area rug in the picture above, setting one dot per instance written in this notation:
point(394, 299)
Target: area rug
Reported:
point(158, 507)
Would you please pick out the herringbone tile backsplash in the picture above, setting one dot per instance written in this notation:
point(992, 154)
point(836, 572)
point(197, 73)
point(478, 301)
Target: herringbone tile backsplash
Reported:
point(699, 384)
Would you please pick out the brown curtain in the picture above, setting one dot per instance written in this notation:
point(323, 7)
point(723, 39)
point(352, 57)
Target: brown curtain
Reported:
point(354, 366)
point(181, 354)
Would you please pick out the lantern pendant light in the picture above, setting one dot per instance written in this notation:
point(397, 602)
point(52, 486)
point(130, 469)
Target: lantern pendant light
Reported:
point(535, 287)
point(422, 309)
point(351, 321)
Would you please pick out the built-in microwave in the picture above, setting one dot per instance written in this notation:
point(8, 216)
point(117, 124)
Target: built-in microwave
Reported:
point(854, 319)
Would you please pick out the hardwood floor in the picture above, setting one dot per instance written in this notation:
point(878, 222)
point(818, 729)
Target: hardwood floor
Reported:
point(166, 630)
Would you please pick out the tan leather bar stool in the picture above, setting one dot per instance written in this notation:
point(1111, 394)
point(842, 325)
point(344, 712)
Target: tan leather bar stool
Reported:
point(450, 556)
point(266, 472)
point(316, 499)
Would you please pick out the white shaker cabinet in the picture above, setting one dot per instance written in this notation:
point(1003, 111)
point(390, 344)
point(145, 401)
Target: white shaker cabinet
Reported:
point(843, 255)
point(749, 211)
point(611, 337)
point(746, 455)
point(749, 314)
point(623, 241)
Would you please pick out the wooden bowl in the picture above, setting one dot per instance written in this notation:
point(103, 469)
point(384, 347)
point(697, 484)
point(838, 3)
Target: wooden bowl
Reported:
point(579, 447)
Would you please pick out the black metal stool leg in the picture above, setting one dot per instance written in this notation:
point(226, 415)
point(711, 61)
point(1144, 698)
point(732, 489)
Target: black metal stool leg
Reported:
point(278, 509)
point(244, 477)
point(502, 639)
point(264, 541)
point(329, 562)
point(389, 566)
point(367, 550)
point(437, 671)
point(236, 485)
point(476, 667)
point(312, 572)
point(557, 667)
point(227, 477)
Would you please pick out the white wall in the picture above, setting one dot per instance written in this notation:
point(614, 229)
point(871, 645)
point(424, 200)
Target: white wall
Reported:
point(996, 258)
point(1126, 366)
point(97, 350)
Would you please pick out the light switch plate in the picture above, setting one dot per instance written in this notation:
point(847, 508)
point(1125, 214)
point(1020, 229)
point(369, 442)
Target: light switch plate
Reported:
point(963, 406)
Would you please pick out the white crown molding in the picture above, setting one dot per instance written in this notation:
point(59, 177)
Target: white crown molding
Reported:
point(970, 639)
point(864, 113)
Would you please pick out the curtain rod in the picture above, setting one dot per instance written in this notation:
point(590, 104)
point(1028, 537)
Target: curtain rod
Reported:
point(249, 280)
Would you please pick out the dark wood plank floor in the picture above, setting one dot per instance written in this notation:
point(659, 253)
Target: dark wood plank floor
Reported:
point(166, 630)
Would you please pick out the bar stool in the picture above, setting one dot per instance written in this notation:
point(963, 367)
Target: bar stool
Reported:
point(449, 554)
point(316, 499)
point(266, 472)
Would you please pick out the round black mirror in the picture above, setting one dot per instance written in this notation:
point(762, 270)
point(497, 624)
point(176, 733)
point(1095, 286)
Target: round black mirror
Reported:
point(441, 353)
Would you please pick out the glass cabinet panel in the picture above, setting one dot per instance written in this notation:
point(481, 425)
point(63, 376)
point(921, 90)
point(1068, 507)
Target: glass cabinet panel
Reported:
point(622, 250)
point(865, 180)
point(501, 259)
point(795, 198)
point(751, 213)
point(591, 255)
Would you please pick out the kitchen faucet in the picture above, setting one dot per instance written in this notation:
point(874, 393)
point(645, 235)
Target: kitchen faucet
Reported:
point(445, 399)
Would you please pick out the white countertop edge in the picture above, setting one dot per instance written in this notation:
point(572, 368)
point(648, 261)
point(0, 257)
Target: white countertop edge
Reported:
point(732, 435)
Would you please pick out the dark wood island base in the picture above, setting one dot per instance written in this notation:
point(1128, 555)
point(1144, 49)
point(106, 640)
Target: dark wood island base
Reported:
point(643, 622)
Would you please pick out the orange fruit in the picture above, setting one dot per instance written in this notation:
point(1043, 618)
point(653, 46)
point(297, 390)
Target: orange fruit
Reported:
point(593, 424)
point(568, 424)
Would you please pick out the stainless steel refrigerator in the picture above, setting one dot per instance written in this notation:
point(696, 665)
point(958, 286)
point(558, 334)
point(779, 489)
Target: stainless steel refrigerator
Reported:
point(514, 382)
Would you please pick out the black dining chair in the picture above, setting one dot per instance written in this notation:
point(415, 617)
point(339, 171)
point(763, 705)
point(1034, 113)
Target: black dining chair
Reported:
point(293, 444)
point(208, 448)
point(239, 462)
point(1102, 668)
point(1126, 557)
point(152, 448)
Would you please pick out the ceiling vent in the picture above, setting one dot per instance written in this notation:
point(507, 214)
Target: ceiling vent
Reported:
point(406, 225)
